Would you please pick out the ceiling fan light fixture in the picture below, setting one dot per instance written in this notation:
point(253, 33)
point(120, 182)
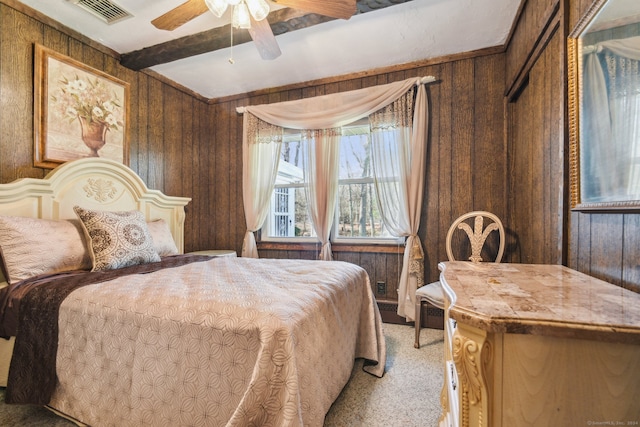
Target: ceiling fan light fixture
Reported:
point(241, 17)
point(217, 7)
point(259, 9)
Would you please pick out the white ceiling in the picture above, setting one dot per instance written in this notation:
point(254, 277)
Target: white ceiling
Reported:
point(403, 33)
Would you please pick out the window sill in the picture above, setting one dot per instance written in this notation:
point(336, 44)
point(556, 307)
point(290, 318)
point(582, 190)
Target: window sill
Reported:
point(335, 247)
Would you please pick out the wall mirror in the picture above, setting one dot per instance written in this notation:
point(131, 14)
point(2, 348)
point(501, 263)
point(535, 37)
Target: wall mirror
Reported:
point(604, 108)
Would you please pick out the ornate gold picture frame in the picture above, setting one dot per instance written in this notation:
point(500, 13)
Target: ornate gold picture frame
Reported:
point(79, 111)
point(604, 152)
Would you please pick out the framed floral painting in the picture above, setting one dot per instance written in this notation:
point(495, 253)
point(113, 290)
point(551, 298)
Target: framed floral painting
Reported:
point(79, 111)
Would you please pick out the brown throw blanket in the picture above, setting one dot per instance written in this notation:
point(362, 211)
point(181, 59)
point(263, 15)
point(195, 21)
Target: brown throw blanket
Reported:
point(32, 374)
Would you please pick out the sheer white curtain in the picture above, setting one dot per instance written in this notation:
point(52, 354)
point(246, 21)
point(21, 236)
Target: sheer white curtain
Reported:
point(611, 81)
point(624, 90)
point(261, 144)
point(321, 178)
point(399, 143)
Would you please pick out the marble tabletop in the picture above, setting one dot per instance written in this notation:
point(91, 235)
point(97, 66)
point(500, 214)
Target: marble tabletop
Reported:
point(540, 299)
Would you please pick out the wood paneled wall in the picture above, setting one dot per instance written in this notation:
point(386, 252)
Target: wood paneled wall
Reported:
point(535, 135)
point(606, 246)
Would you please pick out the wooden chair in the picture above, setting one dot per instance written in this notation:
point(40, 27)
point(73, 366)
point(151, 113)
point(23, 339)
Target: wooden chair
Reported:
point(433, 293)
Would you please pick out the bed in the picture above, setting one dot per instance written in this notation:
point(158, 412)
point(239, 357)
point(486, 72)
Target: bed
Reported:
point(163, 338)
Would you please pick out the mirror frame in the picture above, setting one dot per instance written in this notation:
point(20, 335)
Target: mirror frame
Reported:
point(575, 88)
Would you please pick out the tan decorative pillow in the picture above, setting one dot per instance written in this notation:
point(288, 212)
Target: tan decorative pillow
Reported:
point(117, 239)
point(162, 238)
point(31, 247)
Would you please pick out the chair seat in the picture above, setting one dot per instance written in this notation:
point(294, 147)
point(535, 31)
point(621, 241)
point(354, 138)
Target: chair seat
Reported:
point(432, 293)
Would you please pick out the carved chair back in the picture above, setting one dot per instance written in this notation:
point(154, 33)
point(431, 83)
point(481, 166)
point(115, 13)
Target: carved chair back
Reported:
point(478, 235)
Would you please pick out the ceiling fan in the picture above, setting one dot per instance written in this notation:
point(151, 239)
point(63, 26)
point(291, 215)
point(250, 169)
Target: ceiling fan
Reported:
point(251, 14)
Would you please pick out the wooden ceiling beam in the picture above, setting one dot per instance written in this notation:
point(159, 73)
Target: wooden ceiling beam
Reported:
point(281, 21)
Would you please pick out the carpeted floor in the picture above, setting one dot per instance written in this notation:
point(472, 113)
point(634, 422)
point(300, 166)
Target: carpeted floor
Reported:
point(407, 396)
point(409, 393)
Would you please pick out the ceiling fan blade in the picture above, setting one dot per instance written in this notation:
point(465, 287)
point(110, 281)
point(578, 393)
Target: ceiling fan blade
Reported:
point(341, 9)
point(180, 15)
point(264, 39)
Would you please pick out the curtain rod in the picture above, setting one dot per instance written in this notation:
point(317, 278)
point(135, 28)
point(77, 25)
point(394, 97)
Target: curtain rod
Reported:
point(419, 81)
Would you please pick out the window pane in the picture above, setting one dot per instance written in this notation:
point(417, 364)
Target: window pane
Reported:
point(358, 214)
point(355, 156)
point(303, 226)
point(289, 215)
point(291, 166)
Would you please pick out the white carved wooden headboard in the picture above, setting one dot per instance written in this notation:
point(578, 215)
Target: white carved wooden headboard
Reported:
point(93, 183)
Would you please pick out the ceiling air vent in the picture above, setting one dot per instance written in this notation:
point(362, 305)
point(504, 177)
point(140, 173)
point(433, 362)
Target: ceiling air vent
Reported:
point(106, 10)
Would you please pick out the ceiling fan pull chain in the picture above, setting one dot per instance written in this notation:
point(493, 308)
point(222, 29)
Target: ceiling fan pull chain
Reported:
point(231, 61)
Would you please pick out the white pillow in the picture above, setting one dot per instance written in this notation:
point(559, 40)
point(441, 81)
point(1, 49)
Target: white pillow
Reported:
point(32, 246)
point(117, 239)
point(162, 238)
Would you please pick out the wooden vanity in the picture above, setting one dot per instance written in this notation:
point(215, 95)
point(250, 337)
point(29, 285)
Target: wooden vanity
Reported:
point(538, 345)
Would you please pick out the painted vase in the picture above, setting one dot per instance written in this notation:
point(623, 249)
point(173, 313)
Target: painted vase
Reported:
point(93, 134)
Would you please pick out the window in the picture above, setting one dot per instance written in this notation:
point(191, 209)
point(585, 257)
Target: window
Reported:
point(288, 213)
point(357, 218)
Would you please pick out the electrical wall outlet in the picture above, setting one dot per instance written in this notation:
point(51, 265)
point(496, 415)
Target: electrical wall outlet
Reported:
point(382, 288)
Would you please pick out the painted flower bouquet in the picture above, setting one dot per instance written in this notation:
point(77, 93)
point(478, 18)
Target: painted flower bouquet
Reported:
point(88, 100)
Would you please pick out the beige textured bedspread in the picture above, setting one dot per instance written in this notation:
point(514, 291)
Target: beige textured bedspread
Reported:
point(231, 341)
